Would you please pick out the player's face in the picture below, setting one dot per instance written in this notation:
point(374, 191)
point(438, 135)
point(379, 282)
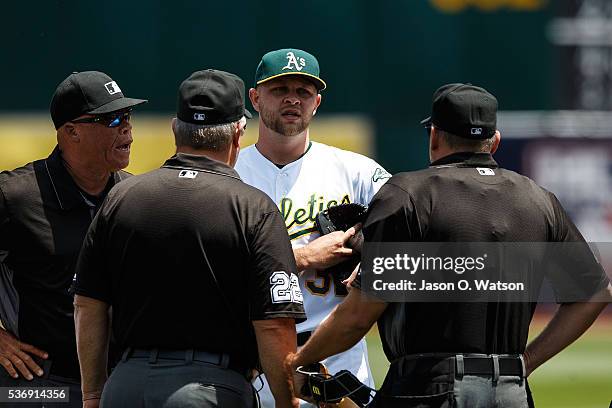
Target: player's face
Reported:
point(286, 104)
point(105, 148)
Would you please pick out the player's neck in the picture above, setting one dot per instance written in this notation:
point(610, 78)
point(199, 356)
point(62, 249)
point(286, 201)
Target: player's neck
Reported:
point(280, 149)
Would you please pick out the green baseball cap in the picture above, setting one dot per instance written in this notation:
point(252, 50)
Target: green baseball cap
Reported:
point(288, 61)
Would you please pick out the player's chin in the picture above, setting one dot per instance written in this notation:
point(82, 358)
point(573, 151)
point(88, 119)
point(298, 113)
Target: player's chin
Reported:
point(118, 163)
point(119, 156)
point(293, 128)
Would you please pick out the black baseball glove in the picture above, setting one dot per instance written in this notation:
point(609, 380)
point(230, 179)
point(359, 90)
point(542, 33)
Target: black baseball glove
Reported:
point(341, 218)
point(342, 390)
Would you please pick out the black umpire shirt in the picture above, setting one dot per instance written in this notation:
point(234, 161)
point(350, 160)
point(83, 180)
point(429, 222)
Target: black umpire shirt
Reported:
point(44, 217)
point(188, 255)
point(452, 201)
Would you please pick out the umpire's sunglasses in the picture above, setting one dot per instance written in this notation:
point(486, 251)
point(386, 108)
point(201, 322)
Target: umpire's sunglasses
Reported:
point(110, 120)
point(427, 125)
point(428, 128)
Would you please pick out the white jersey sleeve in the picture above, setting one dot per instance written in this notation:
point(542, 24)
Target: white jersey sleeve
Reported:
point(367, 175)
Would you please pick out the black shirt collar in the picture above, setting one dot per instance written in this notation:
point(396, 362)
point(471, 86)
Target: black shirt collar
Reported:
point(66, 190)
point(196, 162)
point(467, 159)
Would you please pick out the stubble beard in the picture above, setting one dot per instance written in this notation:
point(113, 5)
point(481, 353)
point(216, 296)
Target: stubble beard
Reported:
point(273, 121)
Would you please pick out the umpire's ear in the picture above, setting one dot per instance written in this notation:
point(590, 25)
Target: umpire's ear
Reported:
point(238, 132)
point(254, 97)
point(68, 132)
point(495, 144)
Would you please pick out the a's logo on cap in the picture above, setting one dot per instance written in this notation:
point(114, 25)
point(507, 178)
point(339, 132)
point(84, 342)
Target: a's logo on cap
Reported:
point(199, 116)
point(298, 63)
point(112, 87)
point(477, 131)
point(380, 174)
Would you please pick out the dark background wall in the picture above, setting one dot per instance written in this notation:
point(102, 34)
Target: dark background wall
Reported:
point(380, 58)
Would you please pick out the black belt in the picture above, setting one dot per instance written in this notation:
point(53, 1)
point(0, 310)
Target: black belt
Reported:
point(188, 355)
point(222, 360)
point(507, 365)
point(473, 364)
point(303, 337)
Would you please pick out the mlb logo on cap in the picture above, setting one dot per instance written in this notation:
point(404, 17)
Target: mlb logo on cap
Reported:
point(91, 92)
point(112, 87)
point(211, 97)
point(464, 110)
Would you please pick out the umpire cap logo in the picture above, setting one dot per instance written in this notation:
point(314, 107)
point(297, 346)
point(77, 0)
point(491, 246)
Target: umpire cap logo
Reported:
point(477, 131)
point(112, 87)
point(190, 174)
point(298, 63)
point(199, 116)
point(485, 171)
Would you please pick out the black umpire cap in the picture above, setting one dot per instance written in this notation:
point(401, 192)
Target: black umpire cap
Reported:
point(211, 97)
point(91, 92)
point(464, 110)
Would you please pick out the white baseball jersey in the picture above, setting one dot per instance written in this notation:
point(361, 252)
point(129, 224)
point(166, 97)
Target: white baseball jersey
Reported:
point(322, 177)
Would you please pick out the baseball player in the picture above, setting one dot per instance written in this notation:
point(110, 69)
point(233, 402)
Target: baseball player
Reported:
point(304, 178)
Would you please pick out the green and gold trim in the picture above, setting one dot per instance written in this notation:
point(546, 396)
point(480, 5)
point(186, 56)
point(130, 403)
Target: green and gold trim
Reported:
point(322, 83)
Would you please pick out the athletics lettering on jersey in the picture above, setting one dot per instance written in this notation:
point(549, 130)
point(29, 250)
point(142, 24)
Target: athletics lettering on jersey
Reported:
point(297, 217)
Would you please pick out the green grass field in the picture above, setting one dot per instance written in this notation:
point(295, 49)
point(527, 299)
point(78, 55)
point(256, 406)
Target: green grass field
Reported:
point(578, 377)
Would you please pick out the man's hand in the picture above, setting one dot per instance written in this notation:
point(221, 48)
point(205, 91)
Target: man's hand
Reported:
point(356, 241)
point(299, 379)
point(92, 403)
point(92, 399)
point(299, 382)
point(348, 281)
point(14, 356)
point(326, 251)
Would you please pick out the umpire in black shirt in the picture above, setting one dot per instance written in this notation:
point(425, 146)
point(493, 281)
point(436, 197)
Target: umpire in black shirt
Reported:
point(197, 267)
point(45, 209)
point(460, 354)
